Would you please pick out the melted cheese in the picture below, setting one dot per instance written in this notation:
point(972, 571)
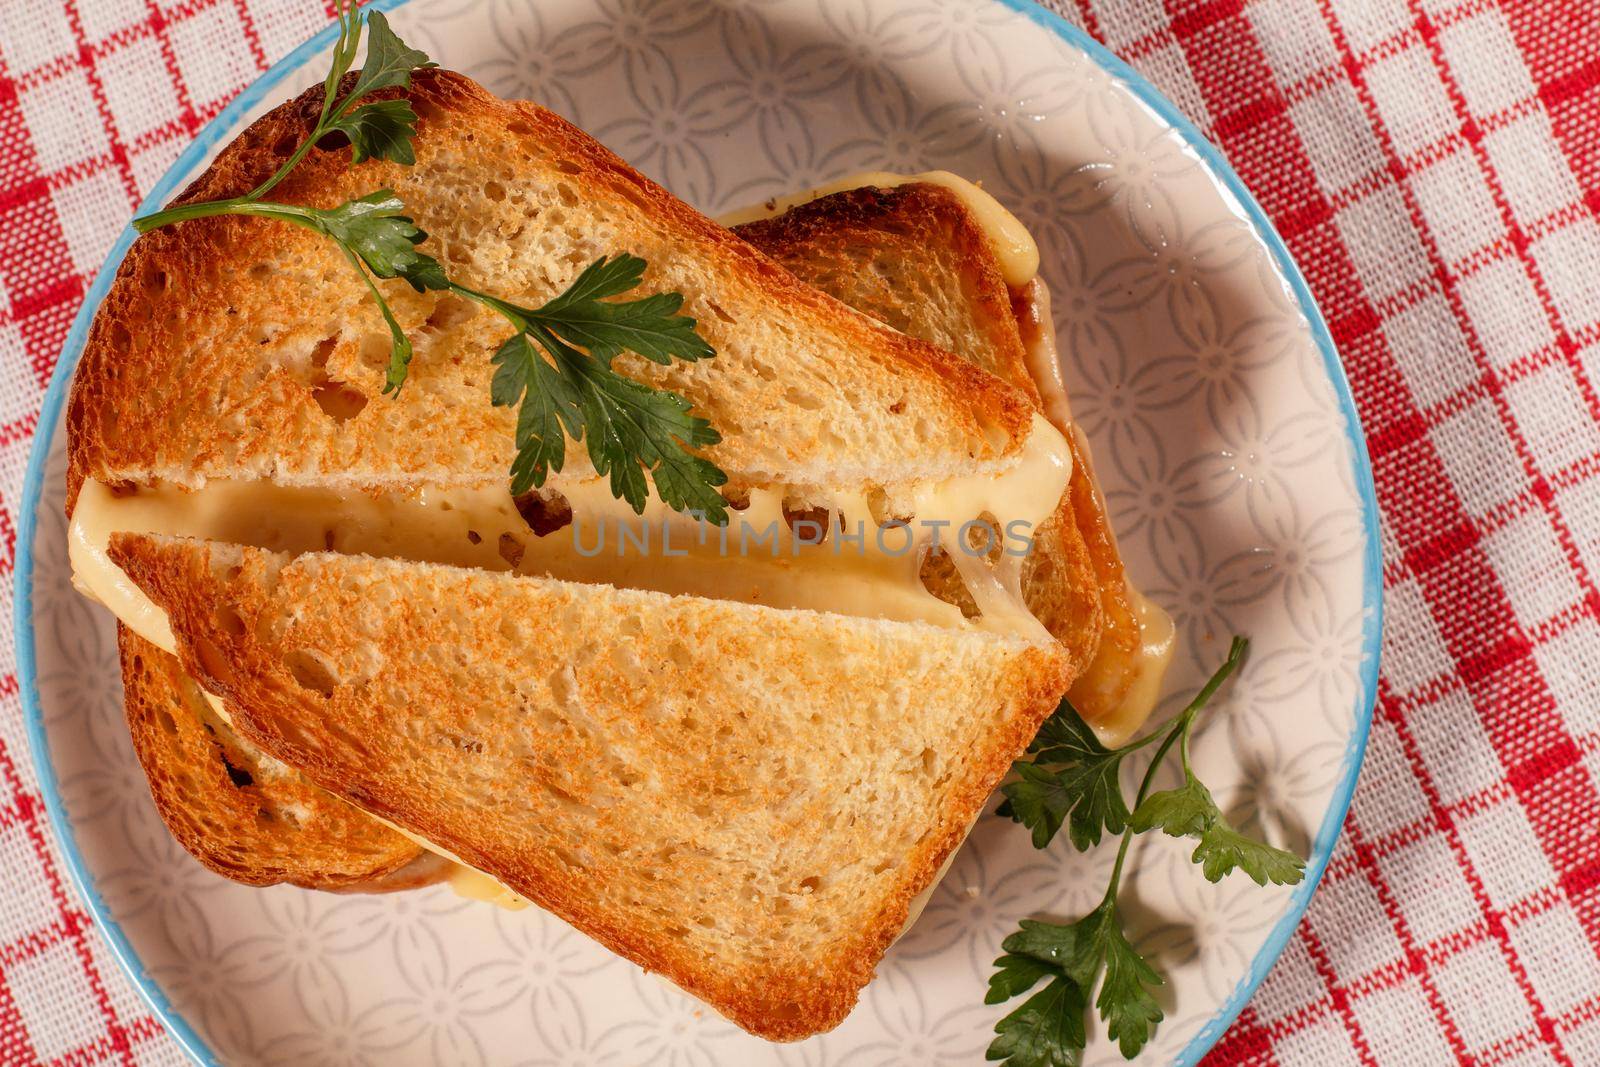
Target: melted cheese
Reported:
point(1013, 245)
point(1158, 638)
point(94, 519)
point(758, 560)
point(428, 526)
point(464, 880)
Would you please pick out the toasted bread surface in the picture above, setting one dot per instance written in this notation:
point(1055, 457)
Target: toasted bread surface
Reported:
point(222, 339)
point(237, 810)
point(742, 799)
point(911, 256)
point(914, 257)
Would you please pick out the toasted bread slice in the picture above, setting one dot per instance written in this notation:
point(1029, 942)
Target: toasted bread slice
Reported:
point(914, 257)
point(237, 810)
point(248, 348)
point(743, 799)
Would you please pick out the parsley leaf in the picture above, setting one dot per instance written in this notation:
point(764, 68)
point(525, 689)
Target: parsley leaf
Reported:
point(547, 398)
point(1078, 951)
point(1187, 811)
point(649, 326)
point(1047, 1031)
point(1070, 947)
point(375, 228)
point(1084, 783)
point(1223, 849)
point(629, 428)
point(1038, 799)
point(1016, 975)
point(1065, 737)
point(600, 280)
point(556, 367)
point(390, 61)
point(1073, 780)
point(380, 130)
point(1125, 1001)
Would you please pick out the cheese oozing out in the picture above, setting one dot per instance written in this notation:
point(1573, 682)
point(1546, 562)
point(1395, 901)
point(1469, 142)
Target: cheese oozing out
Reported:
point(1149, 661)
point(848, 565)
point(1157, 640)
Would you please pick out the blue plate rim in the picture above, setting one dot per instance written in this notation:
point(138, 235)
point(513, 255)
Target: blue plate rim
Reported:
point(223, 123)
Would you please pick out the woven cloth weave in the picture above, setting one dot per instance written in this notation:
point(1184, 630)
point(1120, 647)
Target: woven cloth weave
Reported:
point(1435, 169)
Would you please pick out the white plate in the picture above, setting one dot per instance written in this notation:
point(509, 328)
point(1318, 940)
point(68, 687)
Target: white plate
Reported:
point(1225, 438)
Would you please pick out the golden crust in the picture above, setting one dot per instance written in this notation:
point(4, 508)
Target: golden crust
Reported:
point(908, 256)
point(624, 759)
point(205, 357)
point(238, 815)
point(1101, 686)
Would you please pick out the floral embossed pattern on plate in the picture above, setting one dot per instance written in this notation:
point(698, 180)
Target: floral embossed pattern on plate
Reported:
point(1223, 438)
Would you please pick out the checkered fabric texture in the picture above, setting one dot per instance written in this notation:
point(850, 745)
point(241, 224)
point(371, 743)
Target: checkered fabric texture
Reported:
point(1435, 169)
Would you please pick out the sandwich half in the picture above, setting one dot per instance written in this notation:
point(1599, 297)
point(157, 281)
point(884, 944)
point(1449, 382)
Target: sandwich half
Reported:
point(625, 740)
point(741, 798)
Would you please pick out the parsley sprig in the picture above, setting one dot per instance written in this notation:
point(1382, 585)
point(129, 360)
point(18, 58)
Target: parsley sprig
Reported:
point(555, 368)
point(372, 231)
point(1072, 780)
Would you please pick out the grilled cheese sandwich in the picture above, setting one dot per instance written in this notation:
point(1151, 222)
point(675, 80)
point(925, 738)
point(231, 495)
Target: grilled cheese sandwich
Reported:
point(293, 554)
point(475, 528)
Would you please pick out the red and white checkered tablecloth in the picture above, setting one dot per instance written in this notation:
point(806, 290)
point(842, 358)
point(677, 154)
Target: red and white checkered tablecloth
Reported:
point(1434, 166)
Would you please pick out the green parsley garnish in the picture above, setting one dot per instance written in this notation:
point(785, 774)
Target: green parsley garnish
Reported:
point(1072, 780)
point(556, 367)
point(627, 425)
